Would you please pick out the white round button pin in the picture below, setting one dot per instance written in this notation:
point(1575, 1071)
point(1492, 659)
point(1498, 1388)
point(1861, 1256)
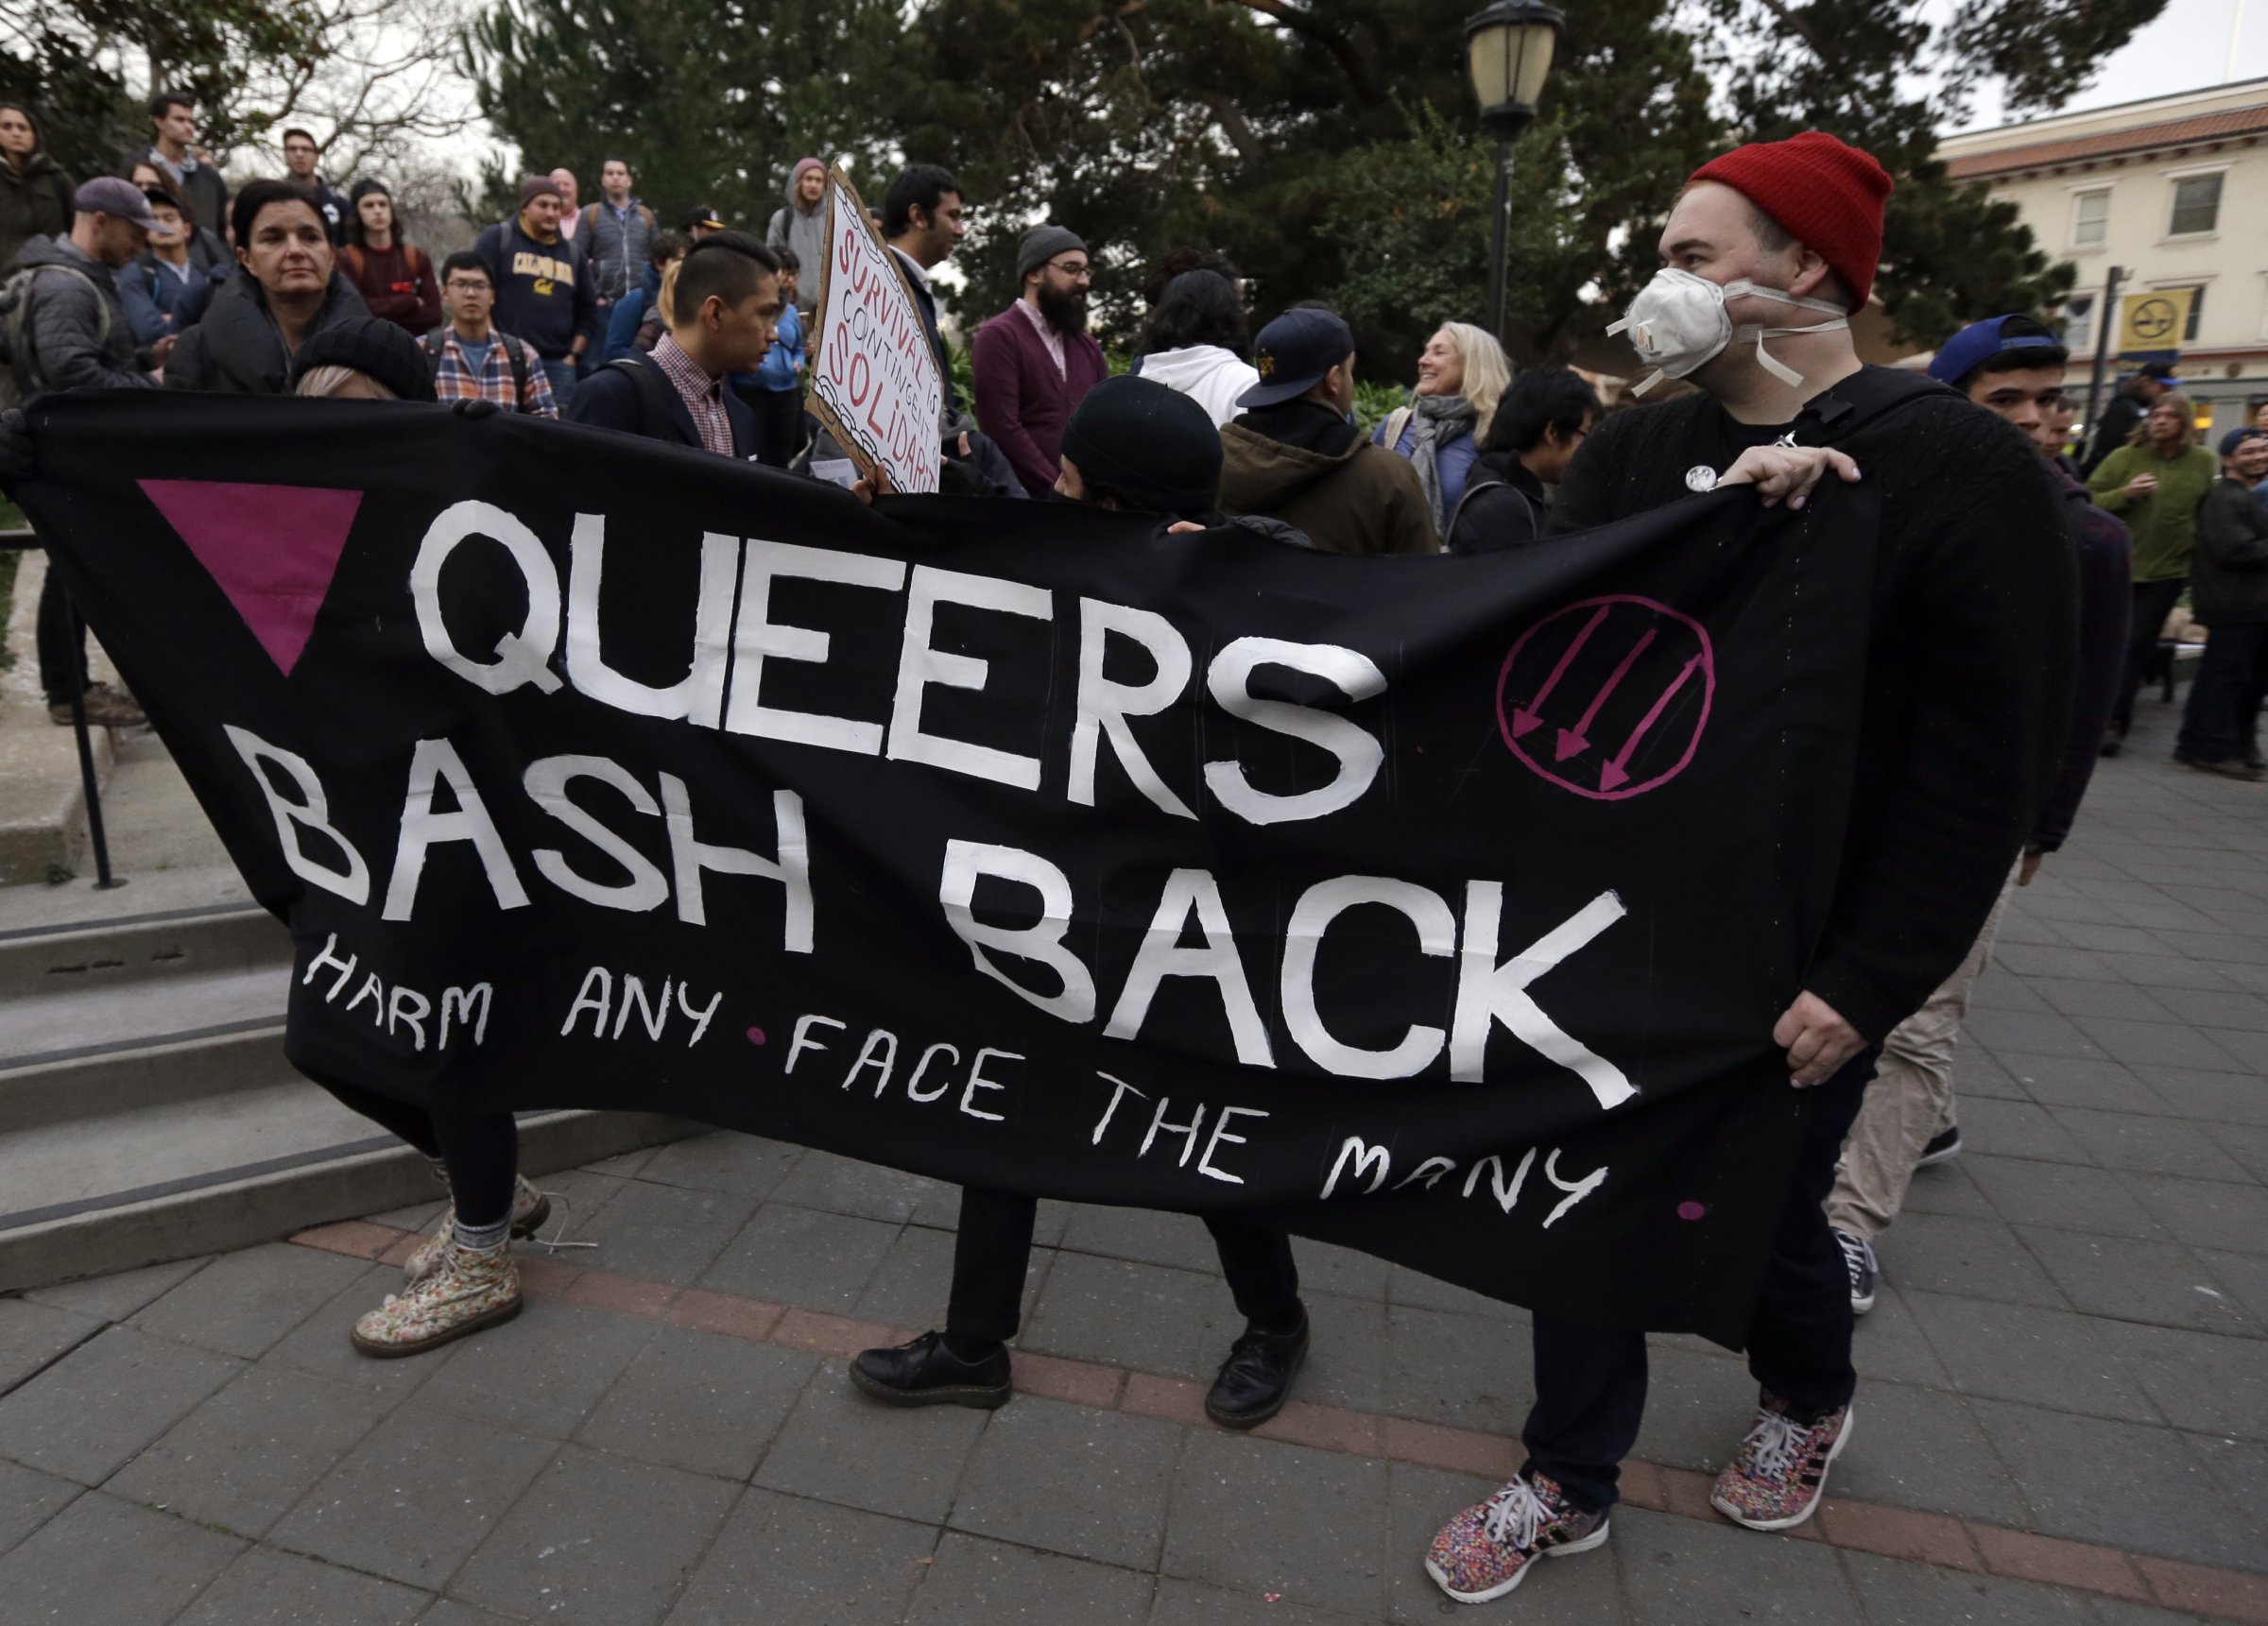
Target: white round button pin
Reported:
point(1700, 477)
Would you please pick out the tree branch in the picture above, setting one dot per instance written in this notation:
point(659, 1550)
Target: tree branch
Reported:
point(1360, 70)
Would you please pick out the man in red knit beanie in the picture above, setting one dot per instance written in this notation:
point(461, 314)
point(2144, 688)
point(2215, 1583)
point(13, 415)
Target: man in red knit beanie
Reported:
point(1972, 645)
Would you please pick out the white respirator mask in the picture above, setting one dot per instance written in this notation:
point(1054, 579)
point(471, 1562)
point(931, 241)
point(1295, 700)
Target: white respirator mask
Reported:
point(1679, 321)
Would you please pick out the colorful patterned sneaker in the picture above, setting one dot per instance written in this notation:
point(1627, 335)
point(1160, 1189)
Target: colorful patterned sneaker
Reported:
point(530, 1208)
point(1489, 1549)
point(468, 1289)
point(1778, 1479)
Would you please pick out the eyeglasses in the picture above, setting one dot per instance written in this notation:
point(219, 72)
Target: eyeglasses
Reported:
point(1081, 270)
point(459, 285)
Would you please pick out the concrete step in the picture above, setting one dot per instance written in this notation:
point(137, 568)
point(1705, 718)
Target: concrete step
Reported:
point(75, 956)
point(57, 1028)
point(110, 1193)
point(147, 1112)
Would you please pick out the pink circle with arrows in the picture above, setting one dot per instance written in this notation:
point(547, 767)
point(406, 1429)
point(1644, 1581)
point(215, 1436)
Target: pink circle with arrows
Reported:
point(1585, 689)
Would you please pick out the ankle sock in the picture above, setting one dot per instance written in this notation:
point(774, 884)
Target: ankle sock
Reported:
point(483, 1237)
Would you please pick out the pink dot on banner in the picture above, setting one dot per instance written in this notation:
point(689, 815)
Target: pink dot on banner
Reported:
point(755, 1035)
point(1692, 1210)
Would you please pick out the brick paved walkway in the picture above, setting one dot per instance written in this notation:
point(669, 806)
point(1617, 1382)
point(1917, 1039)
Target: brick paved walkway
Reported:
point(2063, 1417)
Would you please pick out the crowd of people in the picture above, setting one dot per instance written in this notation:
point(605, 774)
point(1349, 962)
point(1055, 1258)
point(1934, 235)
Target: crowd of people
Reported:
point(2017, 604)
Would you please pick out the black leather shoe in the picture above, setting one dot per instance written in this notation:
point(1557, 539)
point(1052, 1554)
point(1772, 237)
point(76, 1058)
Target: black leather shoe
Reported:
point(925, 1373)
point(1256, 1379)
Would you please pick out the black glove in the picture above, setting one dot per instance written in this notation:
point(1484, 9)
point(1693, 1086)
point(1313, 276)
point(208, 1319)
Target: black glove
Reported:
point(15, 448)
point(474, 407)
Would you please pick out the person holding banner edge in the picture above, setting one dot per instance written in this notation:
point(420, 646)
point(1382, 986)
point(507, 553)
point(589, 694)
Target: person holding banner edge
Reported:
point(1969, 670)
point(1129, 444)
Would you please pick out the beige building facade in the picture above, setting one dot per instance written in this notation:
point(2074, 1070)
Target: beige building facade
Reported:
point(2172, 191)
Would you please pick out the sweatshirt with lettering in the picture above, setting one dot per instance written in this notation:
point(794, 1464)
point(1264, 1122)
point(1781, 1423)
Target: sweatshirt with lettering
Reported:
point(544, 293)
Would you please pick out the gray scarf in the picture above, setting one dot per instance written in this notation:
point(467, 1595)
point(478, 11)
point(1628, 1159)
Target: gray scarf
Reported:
point(1434, 422)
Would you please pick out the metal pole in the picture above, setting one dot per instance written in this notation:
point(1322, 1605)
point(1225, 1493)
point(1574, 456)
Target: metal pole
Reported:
point(88, 785)
point(1503, 242)
point(2103, 340)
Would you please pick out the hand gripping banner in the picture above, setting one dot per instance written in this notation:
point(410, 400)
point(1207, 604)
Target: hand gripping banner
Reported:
point(1437, 907)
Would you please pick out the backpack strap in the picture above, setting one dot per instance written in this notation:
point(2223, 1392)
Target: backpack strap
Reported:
point(350, 255)
point(1397, 421)
point(515, 357)
point(653, 397)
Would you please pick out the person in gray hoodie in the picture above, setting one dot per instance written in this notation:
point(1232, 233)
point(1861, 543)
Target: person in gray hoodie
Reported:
point(76, 336)
point(801, 224)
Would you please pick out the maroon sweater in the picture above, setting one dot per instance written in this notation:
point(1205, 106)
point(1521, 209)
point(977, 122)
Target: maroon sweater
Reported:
point(397, 283)
point(1022, 401)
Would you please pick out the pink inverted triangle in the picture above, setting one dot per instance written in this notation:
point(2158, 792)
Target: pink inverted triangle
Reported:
point(273, 549)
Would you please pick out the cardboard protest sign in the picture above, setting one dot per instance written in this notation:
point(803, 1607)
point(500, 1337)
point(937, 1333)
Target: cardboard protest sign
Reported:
point(874, 379)
point(1437, 907)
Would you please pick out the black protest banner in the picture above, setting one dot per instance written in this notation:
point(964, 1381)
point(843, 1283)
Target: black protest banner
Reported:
point(1439, 907)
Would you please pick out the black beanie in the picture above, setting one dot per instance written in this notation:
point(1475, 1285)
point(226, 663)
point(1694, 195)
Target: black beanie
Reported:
point(1152, 445)
point(372, 345)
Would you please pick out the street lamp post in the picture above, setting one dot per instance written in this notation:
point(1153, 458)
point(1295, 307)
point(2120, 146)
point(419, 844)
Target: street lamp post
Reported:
point(1508, 55)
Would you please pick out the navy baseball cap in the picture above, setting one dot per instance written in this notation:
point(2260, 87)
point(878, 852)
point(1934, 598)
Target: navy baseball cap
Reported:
point(1293, 352)
point(1978, 343)
point(2236, 438)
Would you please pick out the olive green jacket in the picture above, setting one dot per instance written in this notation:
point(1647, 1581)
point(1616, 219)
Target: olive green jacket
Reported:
point(2164, 523)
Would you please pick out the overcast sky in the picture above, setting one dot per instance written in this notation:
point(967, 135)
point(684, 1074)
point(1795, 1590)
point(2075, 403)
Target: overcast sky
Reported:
point(2186, 49)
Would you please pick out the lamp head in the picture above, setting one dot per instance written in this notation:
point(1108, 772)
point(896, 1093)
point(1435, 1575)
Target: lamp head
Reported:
point(1508, 52)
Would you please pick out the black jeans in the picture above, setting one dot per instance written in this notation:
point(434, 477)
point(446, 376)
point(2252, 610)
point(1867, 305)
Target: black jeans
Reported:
point(480, 1150)
point(994, 1247)
point(1590, 1383)
point(2153, 601)
point(2224, 701)
point(63, 643)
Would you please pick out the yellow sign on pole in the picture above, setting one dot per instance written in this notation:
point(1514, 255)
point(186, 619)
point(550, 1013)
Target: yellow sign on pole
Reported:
point(2152, 322)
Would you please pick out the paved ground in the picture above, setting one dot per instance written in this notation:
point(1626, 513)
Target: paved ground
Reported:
point(2063, 1412)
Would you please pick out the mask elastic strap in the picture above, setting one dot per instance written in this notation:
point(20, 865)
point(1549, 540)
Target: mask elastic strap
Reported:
point(1647, 382)
point(1778, 370)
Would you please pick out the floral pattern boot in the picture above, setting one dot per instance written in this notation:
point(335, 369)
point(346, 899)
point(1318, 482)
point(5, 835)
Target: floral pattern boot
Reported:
point(530, 1208)
point(466, 1289)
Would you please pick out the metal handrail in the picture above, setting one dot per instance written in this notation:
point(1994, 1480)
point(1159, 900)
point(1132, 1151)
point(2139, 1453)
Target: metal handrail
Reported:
point(21, 538)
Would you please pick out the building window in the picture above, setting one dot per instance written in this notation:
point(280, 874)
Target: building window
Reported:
point(2196, 206)
point(2091, 219)
point(2078, 320)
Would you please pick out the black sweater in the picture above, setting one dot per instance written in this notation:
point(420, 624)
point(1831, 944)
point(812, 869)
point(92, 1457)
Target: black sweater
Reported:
point(1972, 645)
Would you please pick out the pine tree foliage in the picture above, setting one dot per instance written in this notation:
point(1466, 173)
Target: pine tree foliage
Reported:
point(1328, 147)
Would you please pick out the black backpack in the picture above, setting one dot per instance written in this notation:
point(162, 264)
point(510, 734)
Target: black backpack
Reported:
point(654, 395)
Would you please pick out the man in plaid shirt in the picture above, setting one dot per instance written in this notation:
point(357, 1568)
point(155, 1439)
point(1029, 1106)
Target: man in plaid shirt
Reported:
point(471, 361)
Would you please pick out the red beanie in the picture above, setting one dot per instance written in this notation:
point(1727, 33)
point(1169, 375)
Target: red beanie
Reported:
point(1826, 195)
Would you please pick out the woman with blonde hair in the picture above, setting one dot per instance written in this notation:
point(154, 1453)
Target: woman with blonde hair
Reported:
point(2154, 483)
point(1462, 374)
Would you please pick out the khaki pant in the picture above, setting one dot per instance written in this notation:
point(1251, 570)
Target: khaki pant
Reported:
point(1911, 1100)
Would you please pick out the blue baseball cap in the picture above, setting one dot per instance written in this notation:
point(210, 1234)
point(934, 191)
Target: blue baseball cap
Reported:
point(1979, 342)
point(2236, 438)
point(1293, 352)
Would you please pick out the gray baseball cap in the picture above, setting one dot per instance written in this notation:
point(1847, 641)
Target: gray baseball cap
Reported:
point(108, 195)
